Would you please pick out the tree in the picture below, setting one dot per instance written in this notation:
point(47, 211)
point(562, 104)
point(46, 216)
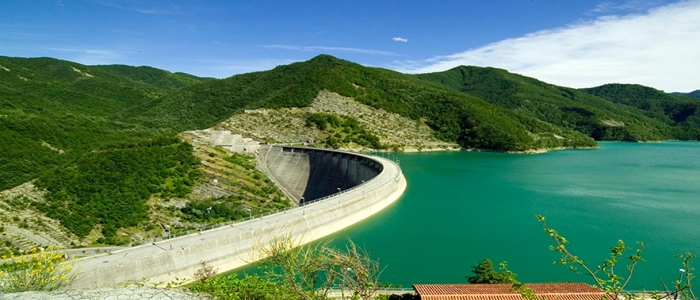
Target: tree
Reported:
point(605, 276)
point(311, 271)
point(485, 273)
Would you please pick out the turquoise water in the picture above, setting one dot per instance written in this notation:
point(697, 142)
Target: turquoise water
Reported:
point(462, 207)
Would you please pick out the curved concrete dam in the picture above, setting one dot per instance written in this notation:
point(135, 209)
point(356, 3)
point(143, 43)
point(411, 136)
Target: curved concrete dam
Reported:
point(314, 174)
point(308, 174)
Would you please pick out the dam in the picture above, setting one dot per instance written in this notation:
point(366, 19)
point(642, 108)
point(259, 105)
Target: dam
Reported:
point(311, 174)
point(334, 189)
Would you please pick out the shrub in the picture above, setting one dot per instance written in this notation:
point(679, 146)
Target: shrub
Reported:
point(36, 270)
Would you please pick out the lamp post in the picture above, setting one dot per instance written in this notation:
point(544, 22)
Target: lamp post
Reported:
point(363, 189)
point(250, 218)
point(680, 276)
point(301, 202)
point(338, 195)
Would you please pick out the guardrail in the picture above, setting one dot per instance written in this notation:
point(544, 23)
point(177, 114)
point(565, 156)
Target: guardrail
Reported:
point(250, 218)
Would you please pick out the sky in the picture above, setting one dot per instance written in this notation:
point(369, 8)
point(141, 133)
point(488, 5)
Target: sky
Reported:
point(574, 43)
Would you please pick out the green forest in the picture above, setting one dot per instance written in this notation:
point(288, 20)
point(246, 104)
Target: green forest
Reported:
point(110, 187)
point(455, 116)
point(102, 140)
point(607, 113)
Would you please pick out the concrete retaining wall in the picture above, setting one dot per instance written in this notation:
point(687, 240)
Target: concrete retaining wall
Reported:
point(231, 247)
point(316, 173)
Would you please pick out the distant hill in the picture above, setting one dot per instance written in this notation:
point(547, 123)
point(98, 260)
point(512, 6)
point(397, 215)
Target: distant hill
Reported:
point(570, 108)
point(682, 113)
point(693, 94)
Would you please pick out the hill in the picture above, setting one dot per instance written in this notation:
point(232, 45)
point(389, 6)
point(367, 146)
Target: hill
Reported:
point(75, 169)
point(52, 111)
point(593, 116)
point(693, 94)
point(106, 154)
point(682, 113)
point(455, 117)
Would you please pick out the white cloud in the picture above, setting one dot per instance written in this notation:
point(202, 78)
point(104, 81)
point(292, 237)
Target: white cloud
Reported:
point(658, 48)
point(144, 7)
point(400, 39)
point(326, 48)
point(226, 68)
point(628, 6)
point(89, 56)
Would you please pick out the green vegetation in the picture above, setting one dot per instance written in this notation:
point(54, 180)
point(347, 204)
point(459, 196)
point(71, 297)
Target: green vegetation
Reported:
point(252, 193)
point(35, 270)
point(209, 211)
point(110, 187)
point(608, 279)
point(53, 111)
point(344, 129)
point(569, 108)
point(693, 94)
point(102, 140)
point(233, 287)
point(293, 271)
point(485, 273)
point(683, 113)
point(68, 126)
point(455, 116)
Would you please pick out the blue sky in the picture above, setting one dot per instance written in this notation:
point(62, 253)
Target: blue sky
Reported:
point(573, 43)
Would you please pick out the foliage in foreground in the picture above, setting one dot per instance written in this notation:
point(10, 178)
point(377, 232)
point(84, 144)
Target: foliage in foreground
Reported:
point(484, 272)
point(36, 270)
point(292, 271)
point(311, 271)
point(613, 283)
point(232, 287)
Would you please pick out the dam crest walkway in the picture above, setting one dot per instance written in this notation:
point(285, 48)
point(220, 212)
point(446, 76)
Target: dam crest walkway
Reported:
point(232, 246)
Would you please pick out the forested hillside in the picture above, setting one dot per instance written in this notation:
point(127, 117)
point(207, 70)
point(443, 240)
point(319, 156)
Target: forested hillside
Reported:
point(683, 113)
point(67, 127)
point(104, 144)
point(455, 117)
point(596, 117)
point(53, 111)
point(693, 94)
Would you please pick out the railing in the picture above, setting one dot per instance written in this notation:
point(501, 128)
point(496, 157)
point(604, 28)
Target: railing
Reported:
point(201, 229)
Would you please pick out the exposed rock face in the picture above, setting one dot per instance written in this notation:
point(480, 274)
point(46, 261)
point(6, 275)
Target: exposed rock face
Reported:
point(288, 125)
point(26, 227)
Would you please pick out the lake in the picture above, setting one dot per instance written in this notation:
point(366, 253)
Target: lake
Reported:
point(462, 207)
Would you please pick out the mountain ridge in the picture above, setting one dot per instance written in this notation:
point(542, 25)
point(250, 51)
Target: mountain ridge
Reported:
point(78, 133)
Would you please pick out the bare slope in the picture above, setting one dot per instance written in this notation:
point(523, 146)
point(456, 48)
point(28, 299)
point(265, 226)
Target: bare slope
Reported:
point(289, 125)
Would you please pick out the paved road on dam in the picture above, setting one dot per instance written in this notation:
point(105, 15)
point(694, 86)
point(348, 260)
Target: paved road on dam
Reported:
point(391, 173)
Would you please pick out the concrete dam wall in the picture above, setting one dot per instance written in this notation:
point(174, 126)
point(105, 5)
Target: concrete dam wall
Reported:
point(310, 173)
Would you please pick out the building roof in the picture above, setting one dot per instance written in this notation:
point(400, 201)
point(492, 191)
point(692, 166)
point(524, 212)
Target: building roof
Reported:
point(548, 291)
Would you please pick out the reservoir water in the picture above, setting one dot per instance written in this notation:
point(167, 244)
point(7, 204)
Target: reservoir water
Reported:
point(462, 207)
